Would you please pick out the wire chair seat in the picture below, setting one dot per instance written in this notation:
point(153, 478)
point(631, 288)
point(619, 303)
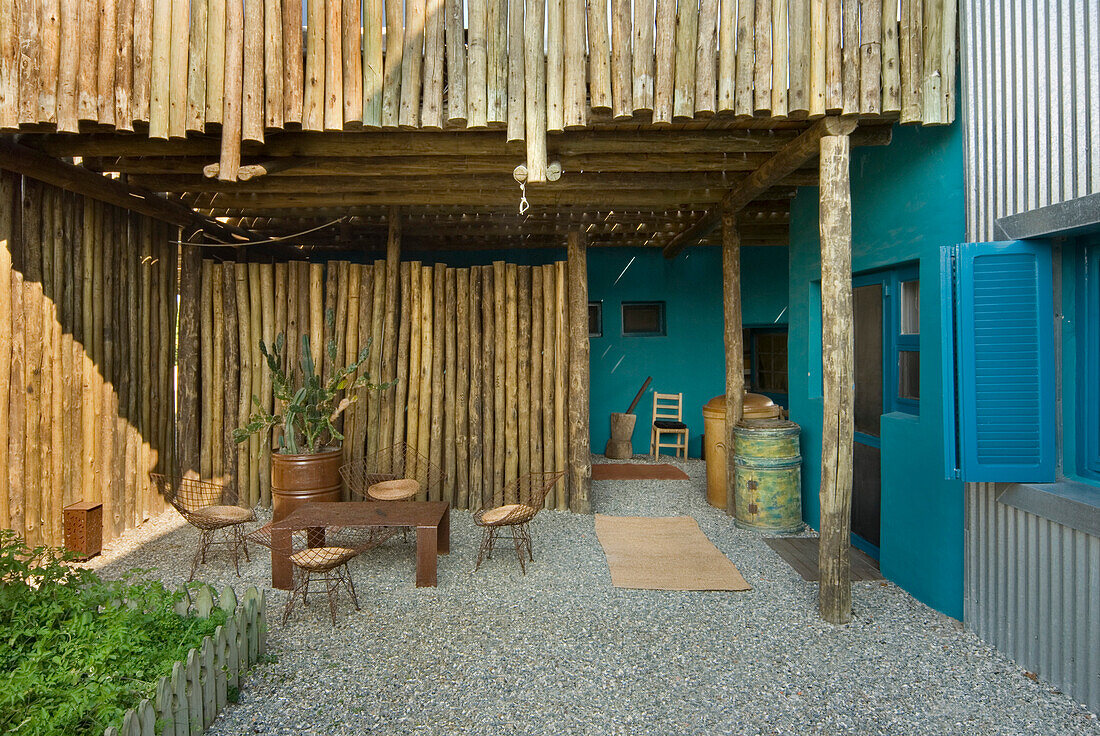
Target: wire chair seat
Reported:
point(322, 556)
point(511, 520)
point(210, 508)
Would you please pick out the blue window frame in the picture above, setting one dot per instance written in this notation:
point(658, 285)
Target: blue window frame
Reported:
point(1088, 362)
point(900, 336)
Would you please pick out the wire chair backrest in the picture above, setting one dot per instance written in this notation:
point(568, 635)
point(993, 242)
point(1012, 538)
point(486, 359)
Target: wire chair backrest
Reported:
point(189, 495)
point(394, 463)
point(530, 489)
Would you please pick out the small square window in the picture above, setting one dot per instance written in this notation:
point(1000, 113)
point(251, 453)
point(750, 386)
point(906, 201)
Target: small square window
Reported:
point(909, 375)
point(644, 318)
point(595, 319)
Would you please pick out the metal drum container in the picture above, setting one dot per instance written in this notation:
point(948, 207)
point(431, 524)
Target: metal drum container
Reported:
point(768, 487)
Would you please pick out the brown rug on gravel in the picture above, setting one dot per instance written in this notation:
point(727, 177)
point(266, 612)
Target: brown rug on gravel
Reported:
point(633, 471)
point(669, 553)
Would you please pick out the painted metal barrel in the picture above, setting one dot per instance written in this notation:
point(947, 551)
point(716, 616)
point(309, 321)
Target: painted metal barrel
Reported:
point(768, 487)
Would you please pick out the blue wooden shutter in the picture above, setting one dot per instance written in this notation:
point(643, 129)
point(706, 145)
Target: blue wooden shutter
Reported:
point(1004, 339)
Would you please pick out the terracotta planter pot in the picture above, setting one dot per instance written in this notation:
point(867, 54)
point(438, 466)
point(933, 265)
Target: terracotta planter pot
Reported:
point(297, 479)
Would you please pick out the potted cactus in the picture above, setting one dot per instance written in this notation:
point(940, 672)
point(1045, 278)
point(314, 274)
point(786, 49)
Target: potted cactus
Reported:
point(306, 466)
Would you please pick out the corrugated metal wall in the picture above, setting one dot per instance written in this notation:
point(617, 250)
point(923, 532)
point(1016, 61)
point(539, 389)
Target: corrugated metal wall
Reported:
point(1031, 115)
point(1032, 591)
point(1030, 105)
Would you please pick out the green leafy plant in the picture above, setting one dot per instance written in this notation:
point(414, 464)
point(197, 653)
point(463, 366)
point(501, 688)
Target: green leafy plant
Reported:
point(76, 651)
point(311, 405)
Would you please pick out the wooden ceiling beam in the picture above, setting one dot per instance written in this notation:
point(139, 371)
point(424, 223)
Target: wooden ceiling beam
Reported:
point(792, 156)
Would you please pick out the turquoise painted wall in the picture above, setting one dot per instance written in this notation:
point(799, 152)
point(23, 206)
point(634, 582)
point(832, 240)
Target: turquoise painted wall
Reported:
point(907, 201)
point(690, 357)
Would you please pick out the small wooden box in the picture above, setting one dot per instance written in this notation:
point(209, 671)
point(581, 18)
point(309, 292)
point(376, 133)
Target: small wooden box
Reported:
point(84, 528)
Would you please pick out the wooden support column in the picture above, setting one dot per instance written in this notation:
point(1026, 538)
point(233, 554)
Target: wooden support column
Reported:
point(735, 361)
point(837, 368)
point(580, 461)
point(188, 362)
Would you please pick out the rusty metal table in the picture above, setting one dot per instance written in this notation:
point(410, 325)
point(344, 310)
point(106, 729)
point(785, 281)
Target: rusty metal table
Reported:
point(432, 520)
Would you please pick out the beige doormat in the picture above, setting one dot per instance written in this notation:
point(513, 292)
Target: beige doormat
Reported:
point(667, 553)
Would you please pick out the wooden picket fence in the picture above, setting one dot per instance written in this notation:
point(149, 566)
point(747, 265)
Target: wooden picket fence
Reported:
point(186, 702)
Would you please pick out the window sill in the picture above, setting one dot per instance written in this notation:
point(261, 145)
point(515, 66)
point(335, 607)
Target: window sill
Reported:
point(1067, 502)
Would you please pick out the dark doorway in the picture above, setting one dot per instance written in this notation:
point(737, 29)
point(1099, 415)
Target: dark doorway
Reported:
point(867, 306)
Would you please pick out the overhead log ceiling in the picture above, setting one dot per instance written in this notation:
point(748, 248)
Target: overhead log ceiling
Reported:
point(640, 186)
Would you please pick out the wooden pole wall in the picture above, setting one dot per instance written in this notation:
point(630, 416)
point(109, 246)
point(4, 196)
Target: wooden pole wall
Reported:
point(735, 358)
point(74, 369)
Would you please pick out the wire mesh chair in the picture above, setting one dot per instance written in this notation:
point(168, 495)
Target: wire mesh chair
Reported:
point(322, 556)
point(212, 509)
point(393, 463)
point(512, 519)
point(401, 461)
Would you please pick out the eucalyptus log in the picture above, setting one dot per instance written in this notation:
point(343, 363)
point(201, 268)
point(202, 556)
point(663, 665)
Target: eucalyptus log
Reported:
point(817, 42)
point(374, 335)
point(664, 90)
point(871, 69)
point(245, 469)
point(735, 361)
point(515, 82)
point(372, 62)
point(489, 487)
point(834, 74)
point(599, 59)
point(780, 58)
point(188, 376)
point(254, 362)
point(273, 65)
point(316, 312)
point(294, 327)
point(7, 243)
point(545, 275)
point(534, 65)
point(431, 113)
point(49, 60)
point(555, 64)
point(148, 462)
point(215, 51)
point(412, 62)
point(428, 350)
point(292, 63)
point(500, 379)
point(476, 64)
point(351, 28)
point(706, 59)
point(233, 91)
point(933, 73)
point(252, 103)
point(447, 310)
point(32, 308)
point(511, 372)
point(87, 80)
point(218, 376)
point(762, 72)
point(108, 18)
point(562, 359)
point(525, 382)
point(353, 416)
point(580, 463)
point(644, 24)
point(459, 341)
point(206, 350)
point(496, 56)
point(416, 339)
point(27, 63)
point(850, 58)
point(269, 312)
point(196, 66)
point(177, 98)
point(798, 97)
point(746, 48)
point(475, 397)
point(333, 89)
point(67, 72)
point(910, 36)
point(17, 409)
point(231, 375)
point(437, 321)
point(834, 563)
point(313, 102)
point(576, 93)
point(282, 314)
point(622, 80)
point(132, 477)
point(49, 402)
point(687, 34)
point(395, 45)
point(9, 70)
point(400, 363)
point(389, 342)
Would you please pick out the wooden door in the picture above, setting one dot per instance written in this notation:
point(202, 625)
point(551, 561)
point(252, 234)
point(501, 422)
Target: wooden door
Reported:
point(867, 303)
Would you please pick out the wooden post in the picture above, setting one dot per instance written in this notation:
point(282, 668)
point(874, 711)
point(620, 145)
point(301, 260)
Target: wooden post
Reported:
point(555, 65)
point(372, 63)
point(643, 55)
point(561, 380)
point(217, 411)
point(7, 194)
point(687, 34)
point(427, 355)
point(549, 337)
point(599, 56)
point(780, 57)
point(196, 66)
point(188, 362)
point(413, 375)
point(252, 105)
point(574, 95)
point(431, 112)
point(379, 289)
point(622, 79)
point(230, 158)
point(215, 50)
point(231, 375)
point(455, 29)
point(664, 61)
point(391, 81)
point(388, 343)
point(474, 399)
point(352, 75)
point(488, 369)
point(746, 23)
point(500, 378)
point(516, 103)
point(476, 64)
point(799, 60)
point(273, 64)
point(206, 348)
point(762, 73)
point(400, 373)
point(252, 361)
point(460, 384)
point(580, 462)
point(447, 310)
point(313, 101)
point(412, 62)
point(735, 360)
point(496, 55)
point(706, 58)
point(439, 347)
point(536, 91)
point(837, 369)
point(292, 66)
point(268, 319)
point(523, 368)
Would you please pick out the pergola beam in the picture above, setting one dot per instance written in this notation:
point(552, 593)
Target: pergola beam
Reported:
point(792, 156)
point(28, 162)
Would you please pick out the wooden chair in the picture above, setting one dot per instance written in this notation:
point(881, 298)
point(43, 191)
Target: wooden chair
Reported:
point(668, 418)
point(211, 508)
point(511, 519)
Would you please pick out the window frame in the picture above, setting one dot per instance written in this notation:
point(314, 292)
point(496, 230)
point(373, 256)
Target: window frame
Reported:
point(893, 341)
point(1088, 362)
point(662, 331)
point(598, 304)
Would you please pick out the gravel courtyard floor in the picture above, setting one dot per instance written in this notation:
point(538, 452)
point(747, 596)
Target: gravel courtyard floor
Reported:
point(560, 651)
